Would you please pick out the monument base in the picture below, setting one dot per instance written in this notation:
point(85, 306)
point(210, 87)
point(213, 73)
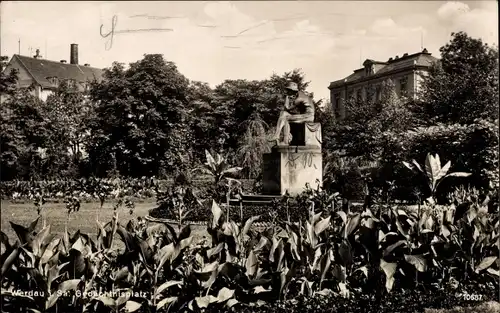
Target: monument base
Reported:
point(289, 168)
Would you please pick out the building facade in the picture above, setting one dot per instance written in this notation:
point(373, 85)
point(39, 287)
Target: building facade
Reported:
point(406, 73)
point(44, 76)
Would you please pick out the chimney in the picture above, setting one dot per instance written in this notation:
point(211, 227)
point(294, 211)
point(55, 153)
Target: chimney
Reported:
point(390, 59)
point(397, 57)
point(425, 51)
point(63, 61)
point(74, 54)
point(405, 55)
point(86, 64)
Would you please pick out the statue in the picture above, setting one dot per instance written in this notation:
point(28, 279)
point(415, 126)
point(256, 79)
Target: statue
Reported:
point(299, 108)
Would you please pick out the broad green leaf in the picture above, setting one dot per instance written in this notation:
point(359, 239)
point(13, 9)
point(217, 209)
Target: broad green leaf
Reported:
point(39, 239)
point(322, 225)
point(248, 224)
point(49, 251)
point(224, 294)
point(352, 225)
point(418, 261)
point(316, 218)
point(4, 239)
point(210, 159)
point(408, 165)
point(186, 242)
point(231, 302)
point(363, 269)
point(203, 302)
point(67, 285)
point(23, 233)
point(493, 272)
point(51, 300)
point(215, 250)
point(260, 289)
point(391, 248)
point(122, 299)
point(445, 231)
point(417, 166)
point(444, 170)
point(343, 216)
point(262, 243)
point(251, 263)
point(109, 302)
point(325, 267)
point(168, 284)
point(165, 301)
point(132, 306)
point(458, 174)
point(389, 270)
point(216, 212)
point(11, 259)
point(167, 253)
point(485, 263)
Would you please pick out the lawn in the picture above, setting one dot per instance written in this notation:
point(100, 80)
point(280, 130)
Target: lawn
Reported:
point(83, 220)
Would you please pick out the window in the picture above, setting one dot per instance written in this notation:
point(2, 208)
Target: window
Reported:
point(403, 86)
point(53, 80)
point(358, 95)
point(351, 94)
point(378, 93)
point(336, 100)
point(336, 104)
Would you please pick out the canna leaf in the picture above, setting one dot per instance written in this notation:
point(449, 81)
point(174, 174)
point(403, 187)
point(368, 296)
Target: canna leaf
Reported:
point(322, 225)
point(132, 306)
point(418, 261)
point(389, 269)
point(165, 301)
point(224, 294)
point(352, 225)
point(11, 259)
point(168, 284)
point(23, 233)
point(248, 224)
point(216, 212)
point(251, 264)
point(485, 263)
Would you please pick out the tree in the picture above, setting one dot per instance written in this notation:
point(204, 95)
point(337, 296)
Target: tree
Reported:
point(203, 127)
point(23, 132)
point(142, 118)
point(371, 127)
point(253, 144)
point(463, 86)
point(8, 80)
point(68, 112)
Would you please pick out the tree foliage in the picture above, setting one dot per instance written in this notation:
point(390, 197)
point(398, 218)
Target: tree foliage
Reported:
point(141, 117)
point(463, 85)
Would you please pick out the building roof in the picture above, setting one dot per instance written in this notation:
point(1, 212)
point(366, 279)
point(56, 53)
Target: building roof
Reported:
point(420, 59)
point(41, 70)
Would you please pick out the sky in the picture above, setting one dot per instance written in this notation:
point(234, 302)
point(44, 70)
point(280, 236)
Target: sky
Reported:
point(213, 41)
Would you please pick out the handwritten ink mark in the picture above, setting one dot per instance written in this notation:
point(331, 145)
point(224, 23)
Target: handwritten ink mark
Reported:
point(114, 21)
point(155, 17)
point(111, 33)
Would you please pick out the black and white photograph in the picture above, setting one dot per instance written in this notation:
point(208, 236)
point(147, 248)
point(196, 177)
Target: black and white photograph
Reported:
point(249, 157)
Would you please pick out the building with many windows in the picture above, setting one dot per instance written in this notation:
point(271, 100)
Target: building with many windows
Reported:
point(406, 73)
point(44, 76)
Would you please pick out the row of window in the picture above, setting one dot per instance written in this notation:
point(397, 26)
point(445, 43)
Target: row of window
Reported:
point(71, 82)
point(374, 91)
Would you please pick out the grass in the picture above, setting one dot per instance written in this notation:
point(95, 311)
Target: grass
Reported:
point(83, 220)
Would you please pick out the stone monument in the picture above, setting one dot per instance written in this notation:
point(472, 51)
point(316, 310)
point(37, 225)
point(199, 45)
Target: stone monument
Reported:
point(291, 167)
point(295, 162)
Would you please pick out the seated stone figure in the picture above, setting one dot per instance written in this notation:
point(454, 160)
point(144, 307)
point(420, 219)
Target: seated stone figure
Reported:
point(299, 108)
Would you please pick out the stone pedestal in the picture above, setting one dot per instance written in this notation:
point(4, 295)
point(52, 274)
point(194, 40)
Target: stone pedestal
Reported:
point(291, 167)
